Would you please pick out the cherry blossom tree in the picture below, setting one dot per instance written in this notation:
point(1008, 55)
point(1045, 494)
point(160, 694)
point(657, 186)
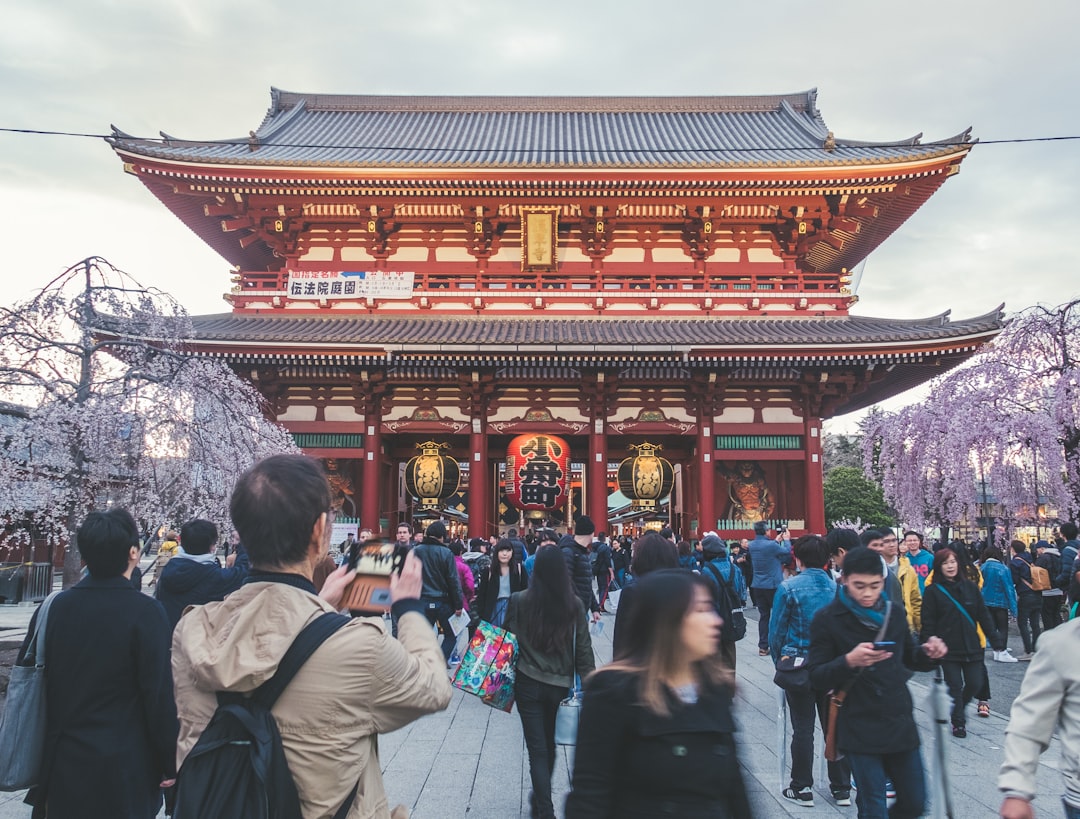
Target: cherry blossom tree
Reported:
point(118, 412)
point(1006, 423)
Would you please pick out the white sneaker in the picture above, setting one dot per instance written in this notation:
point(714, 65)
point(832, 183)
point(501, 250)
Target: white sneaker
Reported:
point(1005, 657)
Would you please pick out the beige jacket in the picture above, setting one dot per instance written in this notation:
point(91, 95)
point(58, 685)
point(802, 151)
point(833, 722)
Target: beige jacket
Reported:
point(361, 682)
point(1049, 702)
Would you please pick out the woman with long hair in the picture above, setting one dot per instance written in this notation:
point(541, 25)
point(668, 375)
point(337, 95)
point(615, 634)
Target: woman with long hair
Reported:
point(656, 735)
point(505, 577)
point(553, 645)
point(953, 609)
point(651, 553)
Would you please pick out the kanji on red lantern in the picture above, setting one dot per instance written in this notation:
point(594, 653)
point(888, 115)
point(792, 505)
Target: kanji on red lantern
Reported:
point(537, 472)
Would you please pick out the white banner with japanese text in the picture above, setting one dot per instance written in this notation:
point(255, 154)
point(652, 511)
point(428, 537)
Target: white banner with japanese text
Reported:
point(350, 284)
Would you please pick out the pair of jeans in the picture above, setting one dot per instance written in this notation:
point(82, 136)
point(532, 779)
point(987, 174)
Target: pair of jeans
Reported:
point(1029, 619)
point(763, 599)
point(965, 680)
point(802, 706)
point(603, 582)
point(1000, 617)
point(1070, 811)
point(537, 706)
point(1051, 611)
point(438, 611)
point(904, 769)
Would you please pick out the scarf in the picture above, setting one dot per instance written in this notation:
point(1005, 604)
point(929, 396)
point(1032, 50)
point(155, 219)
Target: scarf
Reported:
point(873, 617)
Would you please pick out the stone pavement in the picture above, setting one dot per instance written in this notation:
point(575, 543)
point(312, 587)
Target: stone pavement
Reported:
point(470, 761)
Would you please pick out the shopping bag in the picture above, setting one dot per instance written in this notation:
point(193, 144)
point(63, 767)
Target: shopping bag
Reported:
point(487, 669)
point(22, 727)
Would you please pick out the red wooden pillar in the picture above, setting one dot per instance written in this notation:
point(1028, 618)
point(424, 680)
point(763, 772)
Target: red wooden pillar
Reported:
point(478, 481)
point(815, 481)
point(371, 488)
point(596, 504)
point(706, 482)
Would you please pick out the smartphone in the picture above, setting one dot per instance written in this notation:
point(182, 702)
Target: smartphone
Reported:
point(886, 645)
point(374, 562)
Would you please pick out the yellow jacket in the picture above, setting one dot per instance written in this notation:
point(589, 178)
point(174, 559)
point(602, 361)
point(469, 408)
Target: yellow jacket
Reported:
point(909, 586)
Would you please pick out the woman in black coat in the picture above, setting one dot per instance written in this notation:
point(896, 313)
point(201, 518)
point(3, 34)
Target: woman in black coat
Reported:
point(656, 736)
point(111, 727)
point(953, 609)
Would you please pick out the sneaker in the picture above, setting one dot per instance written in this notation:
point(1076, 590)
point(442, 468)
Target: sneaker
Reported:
point(1026, 657)
point(842, 798)
point(805, 797)
point(763, 652)
point(1005, 657)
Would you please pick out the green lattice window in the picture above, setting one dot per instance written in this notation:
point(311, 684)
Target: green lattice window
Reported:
point(759, 442)
point(329, 440)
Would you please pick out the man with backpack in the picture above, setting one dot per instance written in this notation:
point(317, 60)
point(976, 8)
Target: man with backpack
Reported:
point(275, 655)
point(1028, 599)
point(729, 593)
point(797, 600)
point(1048, 558)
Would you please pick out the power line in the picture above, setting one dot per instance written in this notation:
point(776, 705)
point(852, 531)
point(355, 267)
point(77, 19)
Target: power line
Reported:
point(209, 143)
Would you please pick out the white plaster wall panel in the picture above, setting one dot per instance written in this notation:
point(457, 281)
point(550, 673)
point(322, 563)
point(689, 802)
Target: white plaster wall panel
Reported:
point(355, 254)
point(735, 415)
point(339, 413)
point(779, 415)
point(298, 413)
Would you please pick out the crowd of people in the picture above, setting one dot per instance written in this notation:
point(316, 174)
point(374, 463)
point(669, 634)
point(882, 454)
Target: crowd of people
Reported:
point(844, 619)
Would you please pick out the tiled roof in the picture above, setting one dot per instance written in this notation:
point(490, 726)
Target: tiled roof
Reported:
point(582, 335)
point(318, 130)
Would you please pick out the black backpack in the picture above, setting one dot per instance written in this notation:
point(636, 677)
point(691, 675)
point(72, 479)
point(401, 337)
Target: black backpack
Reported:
point(237, 769)
point(728, 606)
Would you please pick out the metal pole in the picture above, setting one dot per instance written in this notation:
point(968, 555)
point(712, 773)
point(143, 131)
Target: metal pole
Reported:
point(781, 735)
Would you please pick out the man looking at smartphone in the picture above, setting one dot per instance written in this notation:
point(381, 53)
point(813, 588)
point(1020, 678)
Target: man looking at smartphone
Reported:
point(359, 681)
point(875, 728)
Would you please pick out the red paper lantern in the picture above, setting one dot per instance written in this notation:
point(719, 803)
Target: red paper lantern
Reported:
point(538, 473)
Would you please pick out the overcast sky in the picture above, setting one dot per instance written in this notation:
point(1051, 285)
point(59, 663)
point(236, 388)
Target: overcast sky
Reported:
point(1001, 231)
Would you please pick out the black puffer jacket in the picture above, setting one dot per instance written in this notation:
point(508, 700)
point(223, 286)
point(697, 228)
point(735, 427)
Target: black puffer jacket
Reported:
point(577, 563)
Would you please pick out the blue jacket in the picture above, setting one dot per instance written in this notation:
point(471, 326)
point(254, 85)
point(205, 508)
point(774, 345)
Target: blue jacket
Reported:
point(998, 590)
point(1069, 553)
point(766, 556)
point(185, 582)
point(797, 600)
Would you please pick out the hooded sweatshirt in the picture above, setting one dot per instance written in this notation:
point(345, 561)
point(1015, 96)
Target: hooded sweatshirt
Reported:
point(359, 683)
point(193, 580)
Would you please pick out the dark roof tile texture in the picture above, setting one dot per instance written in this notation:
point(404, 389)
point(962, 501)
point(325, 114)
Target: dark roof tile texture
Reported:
point(447, 332)
point(317, 130)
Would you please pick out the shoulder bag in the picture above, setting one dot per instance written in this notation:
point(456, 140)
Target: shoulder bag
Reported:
point(837, 697)
point(566, 718)
point(22, 728)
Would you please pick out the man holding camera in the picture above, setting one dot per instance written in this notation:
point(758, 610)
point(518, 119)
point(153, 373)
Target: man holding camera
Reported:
point(360, 681)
